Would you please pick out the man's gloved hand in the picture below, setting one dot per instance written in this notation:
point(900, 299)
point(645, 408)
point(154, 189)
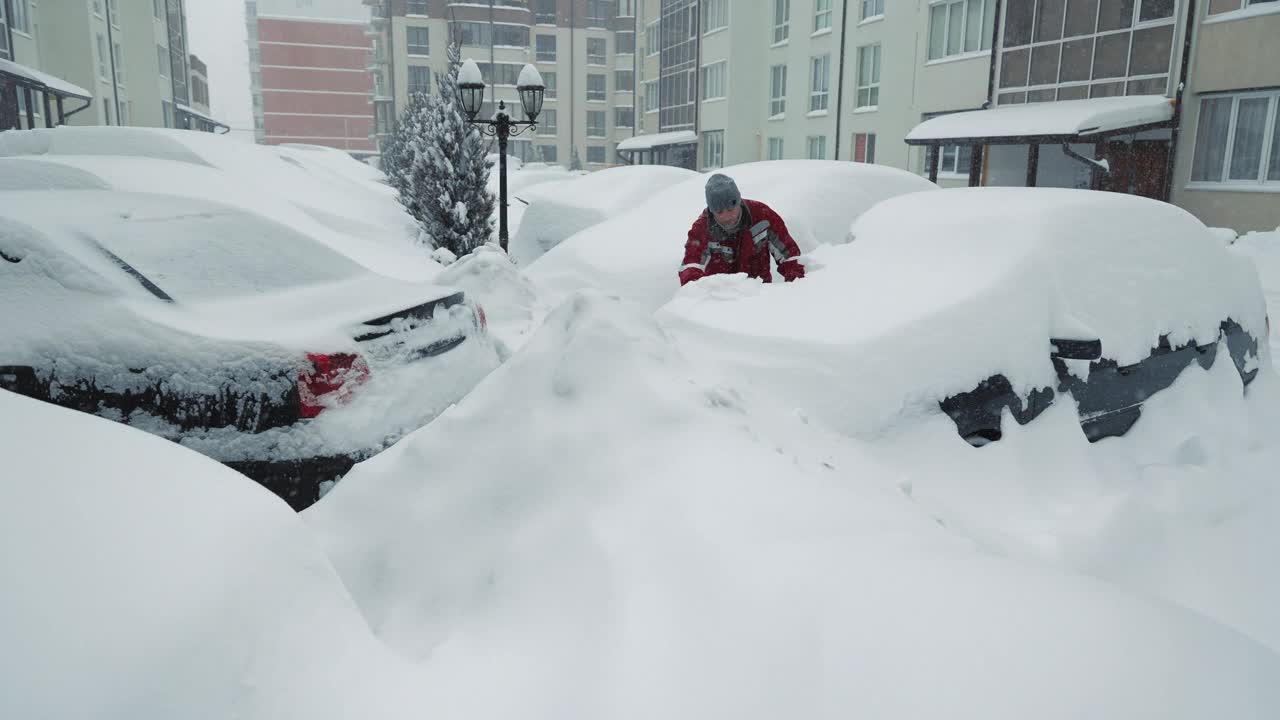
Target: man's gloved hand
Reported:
point(688, 275)
point(792, 270)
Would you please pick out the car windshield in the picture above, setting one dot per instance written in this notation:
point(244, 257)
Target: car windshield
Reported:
point(222, 254)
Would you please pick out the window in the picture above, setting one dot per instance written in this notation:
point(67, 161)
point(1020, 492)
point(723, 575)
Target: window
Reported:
point(1221, 6)
point(955, 160)
point(817, 147)
point(123, 114)
point(596, 51)
point(162, 55)
point(595, 87)
point(626, 8)
point(713, 80)
point(166, 110)
point(624, 117)
point(781, 21)
point(651, 46)
point(417, 7)
point(549, 80)
point(501, 74)
point(651, 96)
point(777, 90)
point(546, 48)
point(548, 153)
point(475, 34)
point(872, 9)
point(1154, 10)
point(821, 15)
point(97, 10)
point(545, 12)
point(102, 59)
point(775, 148)
point(19, 21)
point(864, 147)
point(820, 83)
point(419, 79)
point(712, 149)
point(957, 27)
point(118, 59)
point(595, 154)
point(595, 124)
point(624, 81)
point(597, 14)
point(113, 6)
point(868, 76)
point(624, 43)
point(547, 122)
point(157, 9)
point(1238, 140)
point(417, 42)
point(715, 15)
point(4, 35)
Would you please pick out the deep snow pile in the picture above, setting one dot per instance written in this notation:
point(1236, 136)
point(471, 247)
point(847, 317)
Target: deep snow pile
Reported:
point(142, 580)
point(640, 542)
point(557, 211)
point(509, 299)
point(1264, 250)
point(637, 254)
point(932, 297)
point(520, 178)
point(321, 193)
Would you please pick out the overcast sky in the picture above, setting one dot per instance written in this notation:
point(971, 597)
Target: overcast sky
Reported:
point(218, 38)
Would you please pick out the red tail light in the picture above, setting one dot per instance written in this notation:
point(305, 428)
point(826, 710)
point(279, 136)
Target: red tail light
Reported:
point(330, 381)
point(484, 319)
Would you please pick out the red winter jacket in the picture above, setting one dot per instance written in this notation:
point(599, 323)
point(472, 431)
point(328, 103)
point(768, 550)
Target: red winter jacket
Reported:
point(710, 250)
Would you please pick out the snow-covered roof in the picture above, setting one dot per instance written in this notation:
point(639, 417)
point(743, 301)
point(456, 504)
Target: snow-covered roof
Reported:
point(648, 142)
point(1066, 118)
point(196, 113)
point(55, 84)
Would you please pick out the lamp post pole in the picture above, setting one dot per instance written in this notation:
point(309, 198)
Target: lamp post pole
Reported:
point(501, 125)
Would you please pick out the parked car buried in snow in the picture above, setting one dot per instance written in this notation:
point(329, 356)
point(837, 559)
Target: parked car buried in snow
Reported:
point(225, 332)
point(991, 303)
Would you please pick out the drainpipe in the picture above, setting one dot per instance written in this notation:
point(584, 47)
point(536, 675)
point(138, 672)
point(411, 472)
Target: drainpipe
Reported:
point(697, 79)
point(1166, 189)
point(111, 52)
point(844, 24)
point(995, 47)
point(573, 74)
point(394, 121)
point(635, 71)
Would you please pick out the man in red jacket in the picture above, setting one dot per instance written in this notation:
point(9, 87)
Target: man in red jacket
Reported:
point(735, 235)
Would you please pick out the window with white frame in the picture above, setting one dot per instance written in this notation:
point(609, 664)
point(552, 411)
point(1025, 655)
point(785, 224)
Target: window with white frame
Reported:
point(118, 59)
point(549, 153)
point(777, 90)
point(597, 51)
point(624, 117)
point(872, 9)
point(624, 81)
point(1221, 6)
point(544, 12)
point(821, 15)
point(957, 27)
point(626, 8)
point(1238, 140)
point(545, 48)
point(955, 160)
point(714, 78)
point(819, 83)
point(781, 20)
point(775, 148)
point(20, 22)
point(418, 41)
point(651, 46)
point(419, 79)
point(596, 124)
point(596, 87)
point(864, 147)
point(712, 149)
point(549, 81)
point(817, 147)
point(595, 154)
point(417, 7)
point(547, 122)
point(868, 76)
point(715, 15)
point(102, 58)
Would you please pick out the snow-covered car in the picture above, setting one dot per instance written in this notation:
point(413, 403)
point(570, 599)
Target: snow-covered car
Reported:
point(226, 332)
point(981, 303)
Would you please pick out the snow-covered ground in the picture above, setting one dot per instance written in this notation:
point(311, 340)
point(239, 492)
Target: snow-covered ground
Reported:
point(620, 523)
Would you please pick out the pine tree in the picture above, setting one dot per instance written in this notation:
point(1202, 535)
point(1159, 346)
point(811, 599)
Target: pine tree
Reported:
point(397, 156)
point(450, 172)
point(575, 163)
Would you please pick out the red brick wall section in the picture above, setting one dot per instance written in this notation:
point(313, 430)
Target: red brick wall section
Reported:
point(316, 103)
point(313, 79)
point(312, 33)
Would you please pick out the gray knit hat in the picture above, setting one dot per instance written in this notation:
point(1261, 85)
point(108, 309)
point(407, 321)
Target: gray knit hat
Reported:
point(722, 193)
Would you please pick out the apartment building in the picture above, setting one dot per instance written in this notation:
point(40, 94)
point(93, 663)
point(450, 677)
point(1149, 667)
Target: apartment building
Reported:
point(310, 73)
point(584, 49)
point(102, 62)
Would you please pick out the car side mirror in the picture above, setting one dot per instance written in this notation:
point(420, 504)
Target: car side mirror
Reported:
point(1076, 349)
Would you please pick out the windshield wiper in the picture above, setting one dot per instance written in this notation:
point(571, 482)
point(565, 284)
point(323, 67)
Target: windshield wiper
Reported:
point(123, 265)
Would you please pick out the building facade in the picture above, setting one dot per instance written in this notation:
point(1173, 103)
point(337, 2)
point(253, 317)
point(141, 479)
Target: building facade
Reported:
point(127, 58)
point(310, 73)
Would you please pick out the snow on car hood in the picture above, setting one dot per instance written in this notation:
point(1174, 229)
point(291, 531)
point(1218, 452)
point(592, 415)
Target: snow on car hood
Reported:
point(939, 291)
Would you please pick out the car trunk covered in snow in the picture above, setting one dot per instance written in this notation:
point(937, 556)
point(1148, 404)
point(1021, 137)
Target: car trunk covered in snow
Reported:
point(637, 254)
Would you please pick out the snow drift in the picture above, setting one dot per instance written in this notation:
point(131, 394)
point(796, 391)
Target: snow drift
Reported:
point(637, 254)
point(640, 542)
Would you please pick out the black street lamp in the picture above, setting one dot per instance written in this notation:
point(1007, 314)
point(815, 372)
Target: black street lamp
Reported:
point(471, 90)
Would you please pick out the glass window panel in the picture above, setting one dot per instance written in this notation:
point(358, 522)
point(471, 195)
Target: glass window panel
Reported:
point(1077, 58)
point(1149, 86)
point(974, 27)
point(1115, 15)
point(1273, 173)
point(1044, 64)
point(1246, 149)
point(1017, 22)
point(1013, 68)
point(1111, 89)
point(1151, 50)
point(955, 28)
point(1073, 92)
point(1049, 19)
point(1013, 98)
point(937, 31)
point(1082, 17)
point(1110, 55)
point(1155, 10)
point(1221, 6)
point(988, 23)
point(1047, 95)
